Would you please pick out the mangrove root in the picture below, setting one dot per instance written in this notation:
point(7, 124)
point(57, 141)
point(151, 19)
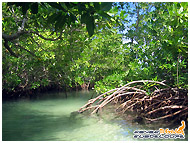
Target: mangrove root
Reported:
point(166, 103)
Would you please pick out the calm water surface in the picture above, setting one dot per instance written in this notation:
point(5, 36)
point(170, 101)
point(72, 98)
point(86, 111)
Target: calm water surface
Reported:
point(51, 117)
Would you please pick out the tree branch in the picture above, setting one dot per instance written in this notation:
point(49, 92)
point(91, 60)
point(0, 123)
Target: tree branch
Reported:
point(20, 33)
point(41, 36)
point(13, 36)
point(16, 44)
point(16, 35)
point(9, 49)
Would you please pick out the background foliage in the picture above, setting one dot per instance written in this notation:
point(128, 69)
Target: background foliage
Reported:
point(104, 45)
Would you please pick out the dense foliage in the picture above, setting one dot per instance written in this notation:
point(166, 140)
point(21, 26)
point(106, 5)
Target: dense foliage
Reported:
point(102, 45)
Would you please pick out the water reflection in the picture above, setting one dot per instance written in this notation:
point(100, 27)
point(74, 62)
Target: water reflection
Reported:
point(52, 117)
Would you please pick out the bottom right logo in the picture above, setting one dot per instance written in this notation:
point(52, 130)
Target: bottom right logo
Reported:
point(167, 133)
point(179, 130)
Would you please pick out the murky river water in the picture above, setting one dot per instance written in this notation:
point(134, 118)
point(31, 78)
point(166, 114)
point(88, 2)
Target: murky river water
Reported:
point(51, 117)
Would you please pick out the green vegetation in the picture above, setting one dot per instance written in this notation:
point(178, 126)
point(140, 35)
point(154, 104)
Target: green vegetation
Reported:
point(74, 44)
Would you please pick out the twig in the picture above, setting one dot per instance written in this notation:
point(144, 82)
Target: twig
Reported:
point(16, 44)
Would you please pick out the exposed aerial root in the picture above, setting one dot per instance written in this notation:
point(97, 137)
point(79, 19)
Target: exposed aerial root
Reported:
point(165, 103)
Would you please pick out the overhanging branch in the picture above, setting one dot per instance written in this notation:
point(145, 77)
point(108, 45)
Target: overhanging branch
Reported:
point(9, 49)
point(20, 33)
point(16, 44)
point(13, 36)
point(10, 38)
point(50, 39)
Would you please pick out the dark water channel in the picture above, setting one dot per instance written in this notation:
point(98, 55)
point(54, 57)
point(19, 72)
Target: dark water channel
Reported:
point(51, 117)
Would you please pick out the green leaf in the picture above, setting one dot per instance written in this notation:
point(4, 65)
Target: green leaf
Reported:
point(122, 13)
point(55, 17)
point(97, 6)
point(90, 25)
point(105, 15)
point(64, 6)
point(114, 10)
point(81, 7)
point(84, 17)
point(56, 5)
point(60, 23)
point(43, 5)
point(106, 6)
point(184, 4)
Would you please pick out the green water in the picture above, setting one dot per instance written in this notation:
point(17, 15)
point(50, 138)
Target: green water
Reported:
point(51, 117)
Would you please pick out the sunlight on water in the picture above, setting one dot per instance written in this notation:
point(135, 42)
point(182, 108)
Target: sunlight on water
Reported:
point(52, 117)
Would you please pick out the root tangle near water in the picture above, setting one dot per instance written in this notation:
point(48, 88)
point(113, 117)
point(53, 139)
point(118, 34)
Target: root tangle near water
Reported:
point(166, 103)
